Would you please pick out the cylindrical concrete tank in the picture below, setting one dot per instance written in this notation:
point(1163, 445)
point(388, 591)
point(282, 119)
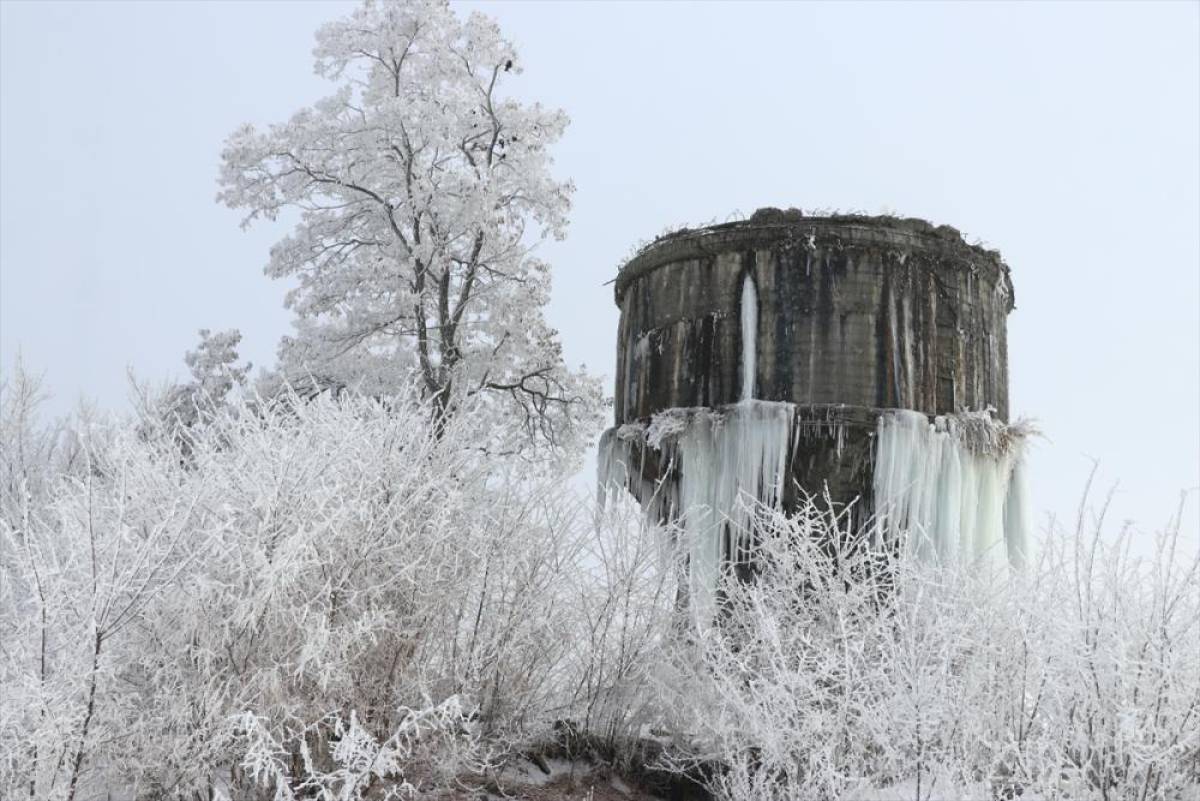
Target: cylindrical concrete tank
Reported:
point(847, 336)
point(851, 315)
point(858, 360)
point(869, 312)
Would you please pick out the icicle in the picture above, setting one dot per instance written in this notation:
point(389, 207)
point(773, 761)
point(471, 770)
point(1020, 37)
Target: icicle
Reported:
point(1018, 513)
point(989, 525)
point(612, 465)
point(749, 336)
point(727, 462)
point(950, 486)
point(949, 498)
point(968, 501)
point(615, 464)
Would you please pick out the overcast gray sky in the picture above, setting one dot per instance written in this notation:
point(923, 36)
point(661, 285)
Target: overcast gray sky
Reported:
point(1067, 135)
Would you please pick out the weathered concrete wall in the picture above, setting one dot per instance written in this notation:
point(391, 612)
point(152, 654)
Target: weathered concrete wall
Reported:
point(868, 312)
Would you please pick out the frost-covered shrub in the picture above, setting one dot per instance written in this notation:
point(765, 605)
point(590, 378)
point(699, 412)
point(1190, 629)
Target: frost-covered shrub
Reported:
point(347, 761)
point(324, 567)
point(841, 673)
point(328, 598)
point(91, 548)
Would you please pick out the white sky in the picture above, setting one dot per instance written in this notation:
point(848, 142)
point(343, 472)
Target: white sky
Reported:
point(1067, 135)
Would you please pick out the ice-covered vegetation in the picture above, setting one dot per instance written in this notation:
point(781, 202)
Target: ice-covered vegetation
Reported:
point(295, 595)
point(326, 598)
point(840, 672)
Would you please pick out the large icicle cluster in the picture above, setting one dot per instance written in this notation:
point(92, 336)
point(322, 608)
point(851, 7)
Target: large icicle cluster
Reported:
point(956, 486)
point(720, 463)
point(727, 462)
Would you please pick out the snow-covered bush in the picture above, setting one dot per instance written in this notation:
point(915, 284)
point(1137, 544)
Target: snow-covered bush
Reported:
point(89, 546)
point(326, 568)
point(843, 673)
point(330, 598)
point(438, 739)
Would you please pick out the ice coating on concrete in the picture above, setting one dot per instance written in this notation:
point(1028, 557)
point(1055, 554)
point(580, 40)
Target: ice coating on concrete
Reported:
point(749, 336)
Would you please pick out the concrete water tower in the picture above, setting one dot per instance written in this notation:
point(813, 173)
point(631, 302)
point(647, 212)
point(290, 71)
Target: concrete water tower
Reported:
point(836, 356)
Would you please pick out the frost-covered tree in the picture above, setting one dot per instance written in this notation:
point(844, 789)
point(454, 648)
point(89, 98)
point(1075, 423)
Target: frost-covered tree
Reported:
point(422, 189)
point(215, 373)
